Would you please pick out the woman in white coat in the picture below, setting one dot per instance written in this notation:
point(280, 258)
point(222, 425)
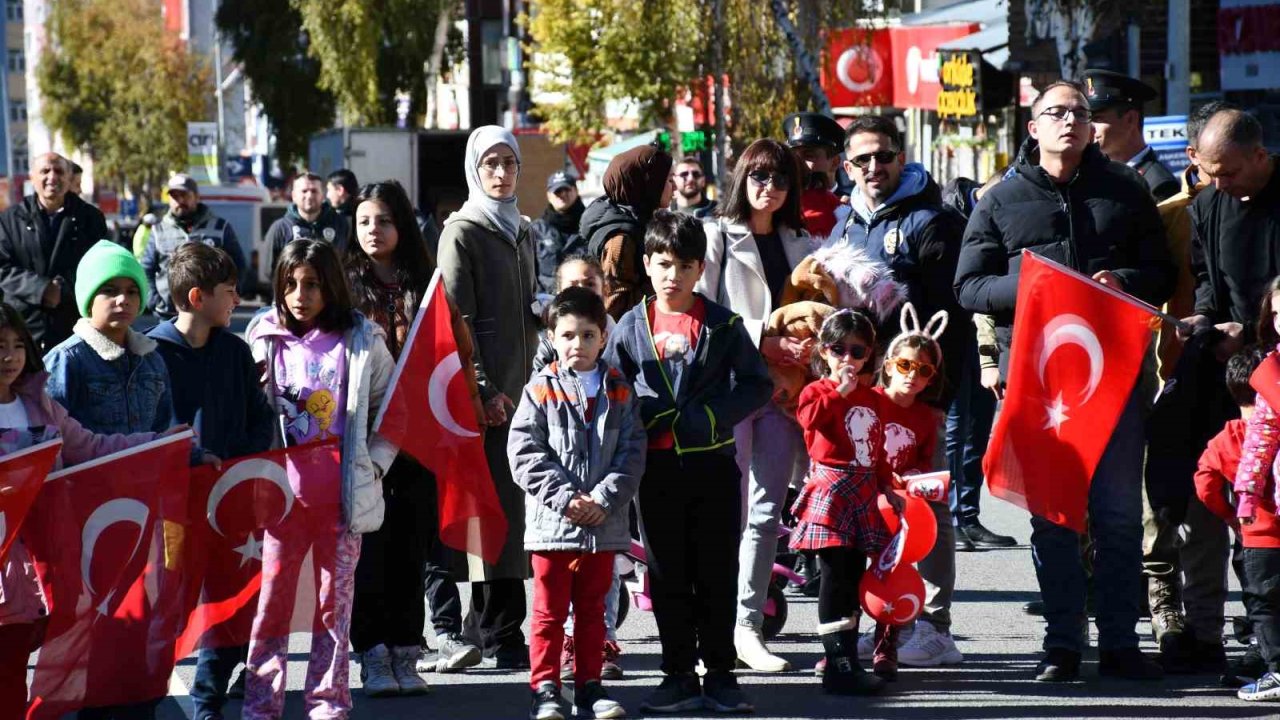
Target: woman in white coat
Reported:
point(752, 248)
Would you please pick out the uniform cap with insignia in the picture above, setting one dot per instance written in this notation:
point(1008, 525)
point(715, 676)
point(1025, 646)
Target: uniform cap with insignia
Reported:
point(810, 128)
point(1105, 89)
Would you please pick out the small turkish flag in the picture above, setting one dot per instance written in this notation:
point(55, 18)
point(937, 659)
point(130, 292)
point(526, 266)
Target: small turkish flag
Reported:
point(103, 535)
point(1076, 352)
point(230, 511)
point(427, 414)
point(21, 475)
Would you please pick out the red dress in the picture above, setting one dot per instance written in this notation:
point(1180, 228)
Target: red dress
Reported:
point(848, 468)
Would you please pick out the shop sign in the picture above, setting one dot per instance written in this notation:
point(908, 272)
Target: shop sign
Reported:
point(960, 73)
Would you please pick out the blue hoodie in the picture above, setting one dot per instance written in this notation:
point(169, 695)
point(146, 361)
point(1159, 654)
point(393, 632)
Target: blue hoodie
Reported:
point(215, 390)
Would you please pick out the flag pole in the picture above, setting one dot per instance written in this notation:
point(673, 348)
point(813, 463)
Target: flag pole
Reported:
point(1118, 294)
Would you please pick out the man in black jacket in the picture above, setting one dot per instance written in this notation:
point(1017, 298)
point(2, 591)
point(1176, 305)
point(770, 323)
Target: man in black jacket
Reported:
point(41, 243)
point(308, 218)
point(1066, 201)
point(556, 232)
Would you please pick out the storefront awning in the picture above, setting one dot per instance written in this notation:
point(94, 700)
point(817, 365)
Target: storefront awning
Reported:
point(992, 42)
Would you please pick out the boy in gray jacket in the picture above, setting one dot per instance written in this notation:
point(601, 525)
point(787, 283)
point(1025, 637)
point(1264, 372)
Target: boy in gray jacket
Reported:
point(577, 447)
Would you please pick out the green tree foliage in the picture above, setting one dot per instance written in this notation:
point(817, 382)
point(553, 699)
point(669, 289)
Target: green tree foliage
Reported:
point(271, 47)
point(369, 50)
point(116, 84)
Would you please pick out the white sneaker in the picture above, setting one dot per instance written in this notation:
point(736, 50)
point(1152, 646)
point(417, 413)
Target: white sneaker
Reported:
point(376, 674)
point(403, 667)
point(929, 648)
point(752, 652)
point(867, 641)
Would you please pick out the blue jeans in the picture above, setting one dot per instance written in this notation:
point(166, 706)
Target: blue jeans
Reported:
point(968, 428)
point(213, 676)
point(1115, 523)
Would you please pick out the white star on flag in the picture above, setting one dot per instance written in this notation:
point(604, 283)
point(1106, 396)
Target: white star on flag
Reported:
point(1057, 414)
point(250, 550)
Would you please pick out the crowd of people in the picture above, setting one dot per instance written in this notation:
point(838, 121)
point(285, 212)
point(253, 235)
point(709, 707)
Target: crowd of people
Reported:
point(696, 372)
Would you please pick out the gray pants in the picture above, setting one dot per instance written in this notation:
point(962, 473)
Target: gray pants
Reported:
point(771, 456)
point(938, 569)
point(1195, 555)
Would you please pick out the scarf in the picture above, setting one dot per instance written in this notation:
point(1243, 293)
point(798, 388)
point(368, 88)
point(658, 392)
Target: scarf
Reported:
point(636, 178)
point(502, 213)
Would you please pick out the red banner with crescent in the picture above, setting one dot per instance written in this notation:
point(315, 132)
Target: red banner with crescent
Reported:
point(22, 474)
point(427, 414)
point(1076, 352)
point(106, 539)
point(231, 513)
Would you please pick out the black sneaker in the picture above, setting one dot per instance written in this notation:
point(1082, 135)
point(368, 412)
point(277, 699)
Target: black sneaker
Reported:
point(547, 703)
point(720, 693)
point(592, 701)
point(676, 693)
point(1059, 665)
point(1245, 669)
point(1128, 664)
point(1035, 607)
point(513, 657)
point(983, 537)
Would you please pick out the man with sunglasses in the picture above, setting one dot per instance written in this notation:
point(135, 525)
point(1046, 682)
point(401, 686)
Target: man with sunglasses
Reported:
point(555, 234)
point(1066, 201)
point(1116, 103)
point(816, 140)
point(691, 189)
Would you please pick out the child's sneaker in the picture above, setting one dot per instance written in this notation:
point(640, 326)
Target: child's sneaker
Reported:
point(547, 703)
point(403, 666)
point(677, 693)
point(610, 669)
point(376, 674)
point(720, 693)
point(593, 702)
point(1266, 688)
point(929, 648)
point(566, 659)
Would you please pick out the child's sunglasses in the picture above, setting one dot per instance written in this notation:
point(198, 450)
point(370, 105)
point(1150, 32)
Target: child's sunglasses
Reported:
point(922, 369)
point(853, 350)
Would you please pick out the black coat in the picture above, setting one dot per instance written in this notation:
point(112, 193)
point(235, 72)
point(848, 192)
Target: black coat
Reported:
point(1162, 184)
point(556, 237)
point(1235, 252)
point(1102, 219)
point(30, 259)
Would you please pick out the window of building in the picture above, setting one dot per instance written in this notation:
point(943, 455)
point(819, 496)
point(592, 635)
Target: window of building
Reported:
point(18, 111)
point(17, 60)
point(13, 10)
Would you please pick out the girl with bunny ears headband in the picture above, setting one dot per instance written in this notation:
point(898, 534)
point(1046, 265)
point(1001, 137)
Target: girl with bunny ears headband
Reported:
point(924, 340)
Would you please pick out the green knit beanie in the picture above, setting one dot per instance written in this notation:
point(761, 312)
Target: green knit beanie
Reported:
point(104, 261)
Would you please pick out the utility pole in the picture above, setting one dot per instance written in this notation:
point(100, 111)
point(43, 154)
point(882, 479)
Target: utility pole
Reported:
point(717, 73)
point(1177, 70)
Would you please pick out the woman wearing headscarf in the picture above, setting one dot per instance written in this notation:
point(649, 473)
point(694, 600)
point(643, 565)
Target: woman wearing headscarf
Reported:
point(636, 183)
point(487, 259)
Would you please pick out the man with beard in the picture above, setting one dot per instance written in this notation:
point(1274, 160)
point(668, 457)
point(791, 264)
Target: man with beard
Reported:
point(188, 220)
point(691, 189)
point(556, 232)
point(816, 140)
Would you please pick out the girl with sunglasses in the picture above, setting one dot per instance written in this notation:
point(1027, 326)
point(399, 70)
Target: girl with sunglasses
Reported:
point(849, 470)
point(752, 248)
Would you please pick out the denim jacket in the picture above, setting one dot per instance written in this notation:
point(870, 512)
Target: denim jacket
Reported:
point(109, 388)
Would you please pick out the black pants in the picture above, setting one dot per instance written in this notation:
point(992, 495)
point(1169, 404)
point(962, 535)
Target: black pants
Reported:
point(1262, 571)
point(213, 676)
point(691, 524)
point(841, 569)
point(442, 590)
point(497, 612)
point(387, 609)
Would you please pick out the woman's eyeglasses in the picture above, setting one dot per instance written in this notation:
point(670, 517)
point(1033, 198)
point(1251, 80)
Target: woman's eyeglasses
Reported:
point(509, 165)
point(883, 157)
point(906, 367)
point(853, 350)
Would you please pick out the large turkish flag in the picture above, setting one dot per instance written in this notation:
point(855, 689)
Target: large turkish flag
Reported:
point(427, 414)
point(1076, 352)
point(21, 475)
point(106, 541)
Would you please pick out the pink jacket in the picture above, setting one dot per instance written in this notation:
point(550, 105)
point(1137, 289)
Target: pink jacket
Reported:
point(1254, 481)
point(21, 600)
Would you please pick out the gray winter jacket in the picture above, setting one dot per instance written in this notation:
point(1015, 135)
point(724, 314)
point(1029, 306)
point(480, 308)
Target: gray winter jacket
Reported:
point(555, 453)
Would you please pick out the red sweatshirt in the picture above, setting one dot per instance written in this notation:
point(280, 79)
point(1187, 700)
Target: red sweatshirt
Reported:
point(910, 435)
point(844, 431)
point(1214, 480)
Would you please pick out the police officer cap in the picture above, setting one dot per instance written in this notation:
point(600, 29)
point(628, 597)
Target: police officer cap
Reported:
point(1106, 89)
point(809, 128)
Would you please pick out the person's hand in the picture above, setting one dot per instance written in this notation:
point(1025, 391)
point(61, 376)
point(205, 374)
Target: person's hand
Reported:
point(1191, 324)
point(848, 381)
point(895, 501)
point(992, 381)
point(786, 351)
point(211, 459)
point(52, 296)
point(1108, 278)
point(495, 410)
point(899, 482)
point(176, 430)
point(584, 511)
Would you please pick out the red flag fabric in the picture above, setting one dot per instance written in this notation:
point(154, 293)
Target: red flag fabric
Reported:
point(427, 414)
point(21, 475)
point(103, 535)
point(231, 511)
point(1076, 352)
point(1266, 380)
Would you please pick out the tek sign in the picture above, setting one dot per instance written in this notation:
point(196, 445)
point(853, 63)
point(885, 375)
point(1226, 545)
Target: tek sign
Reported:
point(202, 152)
point(1167, 135)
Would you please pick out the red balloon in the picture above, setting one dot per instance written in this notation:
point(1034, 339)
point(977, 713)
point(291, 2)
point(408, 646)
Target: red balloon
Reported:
point(895, 600)
point(922, 525)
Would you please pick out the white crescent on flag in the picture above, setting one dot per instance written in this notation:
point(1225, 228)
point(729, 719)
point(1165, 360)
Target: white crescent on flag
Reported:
point(248, 470)
point(915, 608)
point(1065, 330)
point(438, 395)
point(109, 513)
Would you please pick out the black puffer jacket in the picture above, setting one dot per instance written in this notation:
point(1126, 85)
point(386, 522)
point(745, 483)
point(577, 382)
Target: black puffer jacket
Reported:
point(556, 237)
point(1102, 219)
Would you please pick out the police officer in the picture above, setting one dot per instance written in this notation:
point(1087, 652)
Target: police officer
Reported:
point(1116, 103)
point(816, 140)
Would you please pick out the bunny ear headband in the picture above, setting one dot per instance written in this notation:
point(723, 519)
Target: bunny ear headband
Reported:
point(931, 331)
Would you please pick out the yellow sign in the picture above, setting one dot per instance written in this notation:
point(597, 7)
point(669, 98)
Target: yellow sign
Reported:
point(957, 71)
point(957, 103)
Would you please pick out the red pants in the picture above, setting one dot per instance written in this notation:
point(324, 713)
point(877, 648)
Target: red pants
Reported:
point(558, 578)
point(17, 642)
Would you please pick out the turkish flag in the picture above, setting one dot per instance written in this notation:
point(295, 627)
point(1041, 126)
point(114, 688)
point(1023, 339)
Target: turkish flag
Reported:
point(427, 414)
point(231, 510)
point(106, 541)
point(1076, 352)
point(22, 473)
point(1266, 380)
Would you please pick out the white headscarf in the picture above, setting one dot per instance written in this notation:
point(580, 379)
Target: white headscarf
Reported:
point(503, 212)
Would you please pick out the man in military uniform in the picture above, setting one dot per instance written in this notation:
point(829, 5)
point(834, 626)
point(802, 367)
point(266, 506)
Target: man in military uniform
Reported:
point(816, 139)
point(1116, 103)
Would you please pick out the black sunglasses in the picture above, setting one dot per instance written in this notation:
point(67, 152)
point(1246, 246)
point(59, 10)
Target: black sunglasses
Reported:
point(779, 181)
point(853, 350)
point(883, 157)
point(689, 174)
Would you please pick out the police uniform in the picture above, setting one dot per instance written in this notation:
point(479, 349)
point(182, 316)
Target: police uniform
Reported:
point(818, 204)
point(1105, 89)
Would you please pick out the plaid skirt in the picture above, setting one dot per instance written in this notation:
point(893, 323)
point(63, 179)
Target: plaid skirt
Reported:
point(837, 508)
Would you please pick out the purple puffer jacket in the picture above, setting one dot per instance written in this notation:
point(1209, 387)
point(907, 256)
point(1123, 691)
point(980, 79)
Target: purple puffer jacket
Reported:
point(21, 600)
